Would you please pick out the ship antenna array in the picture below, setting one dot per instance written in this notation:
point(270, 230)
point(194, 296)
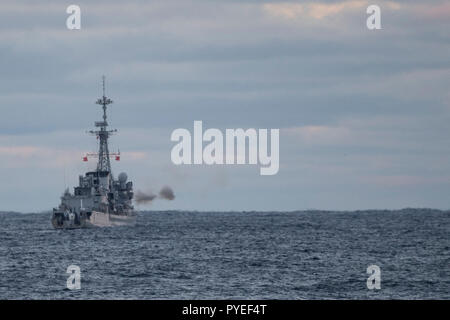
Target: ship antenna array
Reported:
point(104, 101)
point(103, 79)
point(103, 134)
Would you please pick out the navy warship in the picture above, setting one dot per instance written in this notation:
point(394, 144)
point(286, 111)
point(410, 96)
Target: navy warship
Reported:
point(99, 200)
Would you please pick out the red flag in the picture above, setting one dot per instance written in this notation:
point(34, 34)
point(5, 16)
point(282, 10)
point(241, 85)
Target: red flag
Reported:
point(117, 158)
point(85, 158)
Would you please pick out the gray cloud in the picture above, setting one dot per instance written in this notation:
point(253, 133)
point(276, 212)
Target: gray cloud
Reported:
point(234, 64)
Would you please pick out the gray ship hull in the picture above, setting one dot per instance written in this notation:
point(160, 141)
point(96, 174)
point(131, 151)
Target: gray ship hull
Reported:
point(61, 220)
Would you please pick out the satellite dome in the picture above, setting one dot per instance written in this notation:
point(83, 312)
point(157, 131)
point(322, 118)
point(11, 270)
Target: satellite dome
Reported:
point(123, 177)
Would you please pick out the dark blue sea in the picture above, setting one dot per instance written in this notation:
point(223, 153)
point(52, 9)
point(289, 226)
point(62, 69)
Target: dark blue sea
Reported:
point(231, 255)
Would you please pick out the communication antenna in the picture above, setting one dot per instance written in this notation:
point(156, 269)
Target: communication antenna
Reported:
point(103, 134)
point(103, 78)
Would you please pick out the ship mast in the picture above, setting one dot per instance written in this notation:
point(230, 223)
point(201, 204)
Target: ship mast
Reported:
point(103, 134)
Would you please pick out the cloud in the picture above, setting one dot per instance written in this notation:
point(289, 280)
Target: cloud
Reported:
point(405, 180)
point(317, 135)
point(353, 105)
point(439, 11)
point(294, 10)
point(19, 151)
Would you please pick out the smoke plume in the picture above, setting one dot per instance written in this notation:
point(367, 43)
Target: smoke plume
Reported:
point(142, 198)
point(147, 197)
point(166, 193)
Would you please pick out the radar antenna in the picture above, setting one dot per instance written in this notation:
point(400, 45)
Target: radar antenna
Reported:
point(103, 134)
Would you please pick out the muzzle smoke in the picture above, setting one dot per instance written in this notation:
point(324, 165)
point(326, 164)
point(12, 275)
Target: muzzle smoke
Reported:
point(141, 197)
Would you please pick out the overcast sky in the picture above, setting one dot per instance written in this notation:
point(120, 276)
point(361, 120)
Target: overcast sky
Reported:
point(364, 116)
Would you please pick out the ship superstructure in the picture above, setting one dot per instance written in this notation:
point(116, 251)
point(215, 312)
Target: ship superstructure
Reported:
point(99, 199)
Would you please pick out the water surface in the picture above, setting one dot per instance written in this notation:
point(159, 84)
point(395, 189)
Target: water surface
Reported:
point(231, 255)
